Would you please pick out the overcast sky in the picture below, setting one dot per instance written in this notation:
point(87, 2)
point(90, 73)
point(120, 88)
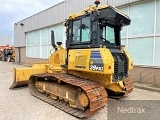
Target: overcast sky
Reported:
point(12, 11)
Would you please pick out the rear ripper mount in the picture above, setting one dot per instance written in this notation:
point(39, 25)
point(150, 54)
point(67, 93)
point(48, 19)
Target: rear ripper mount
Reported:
point(95, 93)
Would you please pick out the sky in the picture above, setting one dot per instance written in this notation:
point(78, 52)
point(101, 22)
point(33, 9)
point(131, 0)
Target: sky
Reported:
point(12, 11)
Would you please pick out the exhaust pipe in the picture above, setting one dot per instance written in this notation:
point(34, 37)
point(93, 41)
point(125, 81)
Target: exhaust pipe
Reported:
point(53, 40)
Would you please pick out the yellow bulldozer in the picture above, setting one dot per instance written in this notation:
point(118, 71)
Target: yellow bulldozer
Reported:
point(94, 65)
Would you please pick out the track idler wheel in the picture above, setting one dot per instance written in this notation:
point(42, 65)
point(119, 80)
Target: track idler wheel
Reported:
point(83, 99)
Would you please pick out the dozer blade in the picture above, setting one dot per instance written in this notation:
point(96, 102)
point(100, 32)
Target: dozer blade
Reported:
point(21, 75)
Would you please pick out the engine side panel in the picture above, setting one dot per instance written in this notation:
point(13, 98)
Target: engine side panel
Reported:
point(108, 67)
point(97, 60)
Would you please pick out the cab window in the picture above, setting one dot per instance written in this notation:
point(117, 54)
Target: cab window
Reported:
point(81, 30)
point(107, 35)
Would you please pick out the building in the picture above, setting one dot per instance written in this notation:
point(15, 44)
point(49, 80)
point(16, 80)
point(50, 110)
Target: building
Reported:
point(141, 38)
point(5, 39)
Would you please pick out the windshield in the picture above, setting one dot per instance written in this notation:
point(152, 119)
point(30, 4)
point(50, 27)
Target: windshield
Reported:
point(107, 35)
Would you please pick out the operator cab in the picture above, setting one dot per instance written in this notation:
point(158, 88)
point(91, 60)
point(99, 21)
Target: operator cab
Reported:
point(99, 28)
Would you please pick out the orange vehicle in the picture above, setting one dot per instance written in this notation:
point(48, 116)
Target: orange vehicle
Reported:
point(7, 53)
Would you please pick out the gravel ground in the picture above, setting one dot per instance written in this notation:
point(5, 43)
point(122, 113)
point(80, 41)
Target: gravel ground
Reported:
point(18, 104)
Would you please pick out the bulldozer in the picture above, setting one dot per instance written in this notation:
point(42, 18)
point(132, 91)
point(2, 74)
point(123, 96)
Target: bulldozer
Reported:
point(7, 53)
point(79, 78)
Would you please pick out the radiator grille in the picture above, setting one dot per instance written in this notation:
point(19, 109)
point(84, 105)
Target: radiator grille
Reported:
point(120, 66)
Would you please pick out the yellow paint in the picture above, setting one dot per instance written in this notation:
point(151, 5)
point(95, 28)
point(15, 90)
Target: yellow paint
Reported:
point(130, 61)
point(39, 65)
point(23, 74)
point(117, 87)
point(104, 80)
point(13, 55)
point(81, 58)
point(91, 9)
point(55, 61)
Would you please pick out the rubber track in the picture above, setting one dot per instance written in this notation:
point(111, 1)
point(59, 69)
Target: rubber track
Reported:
point(96, 93)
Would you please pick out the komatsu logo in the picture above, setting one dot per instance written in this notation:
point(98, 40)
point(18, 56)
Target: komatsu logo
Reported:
point(94, 67)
